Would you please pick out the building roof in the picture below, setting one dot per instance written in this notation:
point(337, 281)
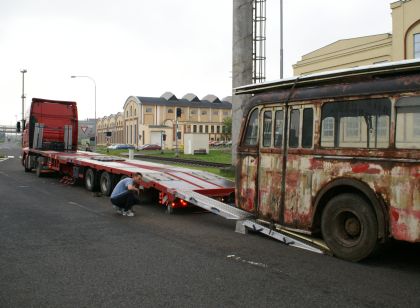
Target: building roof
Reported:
point(209, 101)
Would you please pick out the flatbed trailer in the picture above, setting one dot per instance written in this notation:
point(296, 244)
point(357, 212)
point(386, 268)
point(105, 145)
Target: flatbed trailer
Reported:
point(102, 172)
point(175, 187)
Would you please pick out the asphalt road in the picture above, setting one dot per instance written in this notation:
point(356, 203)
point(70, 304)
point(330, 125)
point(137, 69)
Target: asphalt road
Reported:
point(60, 246)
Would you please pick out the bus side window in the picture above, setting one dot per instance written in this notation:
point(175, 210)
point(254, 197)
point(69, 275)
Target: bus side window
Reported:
point(408, 123)
point(278, 128)
point(307, 128)
point(267, 120)
point(294, 128)
point(356, 124)
point(252, 129)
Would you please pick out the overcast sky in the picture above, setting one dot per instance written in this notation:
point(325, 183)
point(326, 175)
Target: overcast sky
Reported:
point(144, 48)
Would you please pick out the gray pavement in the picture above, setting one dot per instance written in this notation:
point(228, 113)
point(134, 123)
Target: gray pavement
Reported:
point(60, 246)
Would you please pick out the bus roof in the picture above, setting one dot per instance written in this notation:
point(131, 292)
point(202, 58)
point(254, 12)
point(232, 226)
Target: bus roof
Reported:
point(331, 76)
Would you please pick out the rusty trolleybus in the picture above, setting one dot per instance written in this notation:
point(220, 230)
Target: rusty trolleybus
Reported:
point(335, 155)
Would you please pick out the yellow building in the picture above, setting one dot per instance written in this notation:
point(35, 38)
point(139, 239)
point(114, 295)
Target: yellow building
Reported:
point(147, 119)
point(110, 129)
point(403, 43)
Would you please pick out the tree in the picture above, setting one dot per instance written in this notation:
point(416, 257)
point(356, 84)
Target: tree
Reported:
point(228, 126)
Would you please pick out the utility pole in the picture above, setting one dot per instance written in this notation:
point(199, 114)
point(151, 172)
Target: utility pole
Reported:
point(23, 71)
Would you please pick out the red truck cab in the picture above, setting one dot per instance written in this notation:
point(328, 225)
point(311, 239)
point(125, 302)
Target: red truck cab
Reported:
point(51, 125)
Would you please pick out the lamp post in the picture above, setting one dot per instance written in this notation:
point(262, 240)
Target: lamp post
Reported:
point(94, 83)
point(23, 71)
point(281, 39)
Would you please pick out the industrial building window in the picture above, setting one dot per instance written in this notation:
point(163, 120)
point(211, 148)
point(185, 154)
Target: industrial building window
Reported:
point(200, 128)
point(203, 112)
point(215, 112)
point(149, 109)
point(170, 110)
point(225, 113)
point(417, 46)
point(207, 128)
point(194, 128)
point(193, 111)
point(212, 128)
point(218, 129)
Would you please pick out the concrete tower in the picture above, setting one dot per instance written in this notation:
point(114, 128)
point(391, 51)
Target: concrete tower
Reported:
point(242, 49)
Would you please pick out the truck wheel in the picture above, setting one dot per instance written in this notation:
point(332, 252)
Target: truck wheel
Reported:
point(90, 180)
point(26, 164)
point(349, 227)
point(105, 183)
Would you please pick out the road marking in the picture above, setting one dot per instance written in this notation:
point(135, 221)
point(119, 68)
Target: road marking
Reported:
point(10, 156)
point(239, 259)
point(84, 207)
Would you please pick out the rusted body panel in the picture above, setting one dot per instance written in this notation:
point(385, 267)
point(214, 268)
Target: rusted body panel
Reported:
point(247, 182)
point(392, 175)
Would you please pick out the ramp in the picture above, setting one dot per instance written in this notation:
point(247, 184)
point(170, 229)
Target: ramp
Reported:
point(286, 237)
point(217, 207)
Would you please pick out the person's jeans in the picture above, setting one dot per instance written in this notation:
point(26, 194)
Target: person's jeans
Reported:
point(125, 200)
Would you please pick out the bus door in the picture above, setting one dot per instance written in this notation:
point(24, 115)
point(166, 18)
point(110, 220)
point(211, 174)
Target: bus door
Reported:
point(247, 163)
point(298, 175)
point(270, 163)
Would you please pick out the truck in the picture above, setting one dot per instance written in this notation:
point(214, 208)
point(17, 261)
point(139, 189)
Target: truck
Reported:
point(50, 145)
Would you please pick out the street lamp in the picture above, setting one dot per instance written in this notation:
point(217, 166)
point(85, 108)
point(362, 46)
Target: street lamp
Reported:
point(94, 83)
point(281, 39)
point(23, 71)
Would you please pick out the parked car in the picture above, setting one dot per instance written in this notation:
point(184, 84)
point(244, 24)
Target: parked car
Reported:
point(112, 146)
point(149, 147)
point(121, 147)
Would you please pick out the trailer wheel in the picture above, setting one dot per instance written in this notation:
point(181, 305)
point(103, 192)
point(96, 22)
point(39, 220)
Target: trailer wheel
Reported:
point(90, 180)
point(106, 183)
point(38, 169)
point(349, 227)
point(169, 210)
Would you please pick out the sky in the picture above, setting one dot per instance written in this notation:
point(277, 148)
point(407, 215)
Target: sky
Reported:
point(145, 48)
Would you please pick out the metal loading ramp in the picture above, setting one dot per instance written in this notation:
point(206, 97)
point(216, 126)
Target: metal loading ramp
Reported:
point(245, 221)
point(212, 205)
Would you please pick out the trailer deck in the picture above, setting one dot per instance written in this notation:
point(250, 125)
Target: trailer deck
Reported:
point(193, 186)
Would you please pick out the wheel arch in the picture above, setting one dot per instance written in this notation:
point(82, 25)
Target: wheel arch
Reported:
point(346, 185)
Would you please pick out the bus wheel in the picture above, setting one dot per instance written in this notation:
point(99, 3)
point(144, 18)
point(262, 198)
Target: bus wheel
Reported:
point(349, 227)
point(90, 180)
point(105, 183)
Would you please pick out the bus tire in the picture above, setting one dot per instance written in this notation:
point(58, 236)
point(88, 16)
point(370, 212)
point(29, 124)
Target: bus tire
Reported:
point(90, 180)
point(349, 227)
point(106, 183)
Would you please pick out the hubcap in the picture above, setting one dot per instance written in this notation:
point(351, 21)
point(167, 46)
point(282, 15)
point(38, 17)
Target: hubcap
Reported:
point(352, 226)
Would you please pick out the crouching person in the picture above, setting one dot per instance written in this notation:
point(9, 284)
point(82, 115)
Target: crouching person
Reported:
point(123, 196)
